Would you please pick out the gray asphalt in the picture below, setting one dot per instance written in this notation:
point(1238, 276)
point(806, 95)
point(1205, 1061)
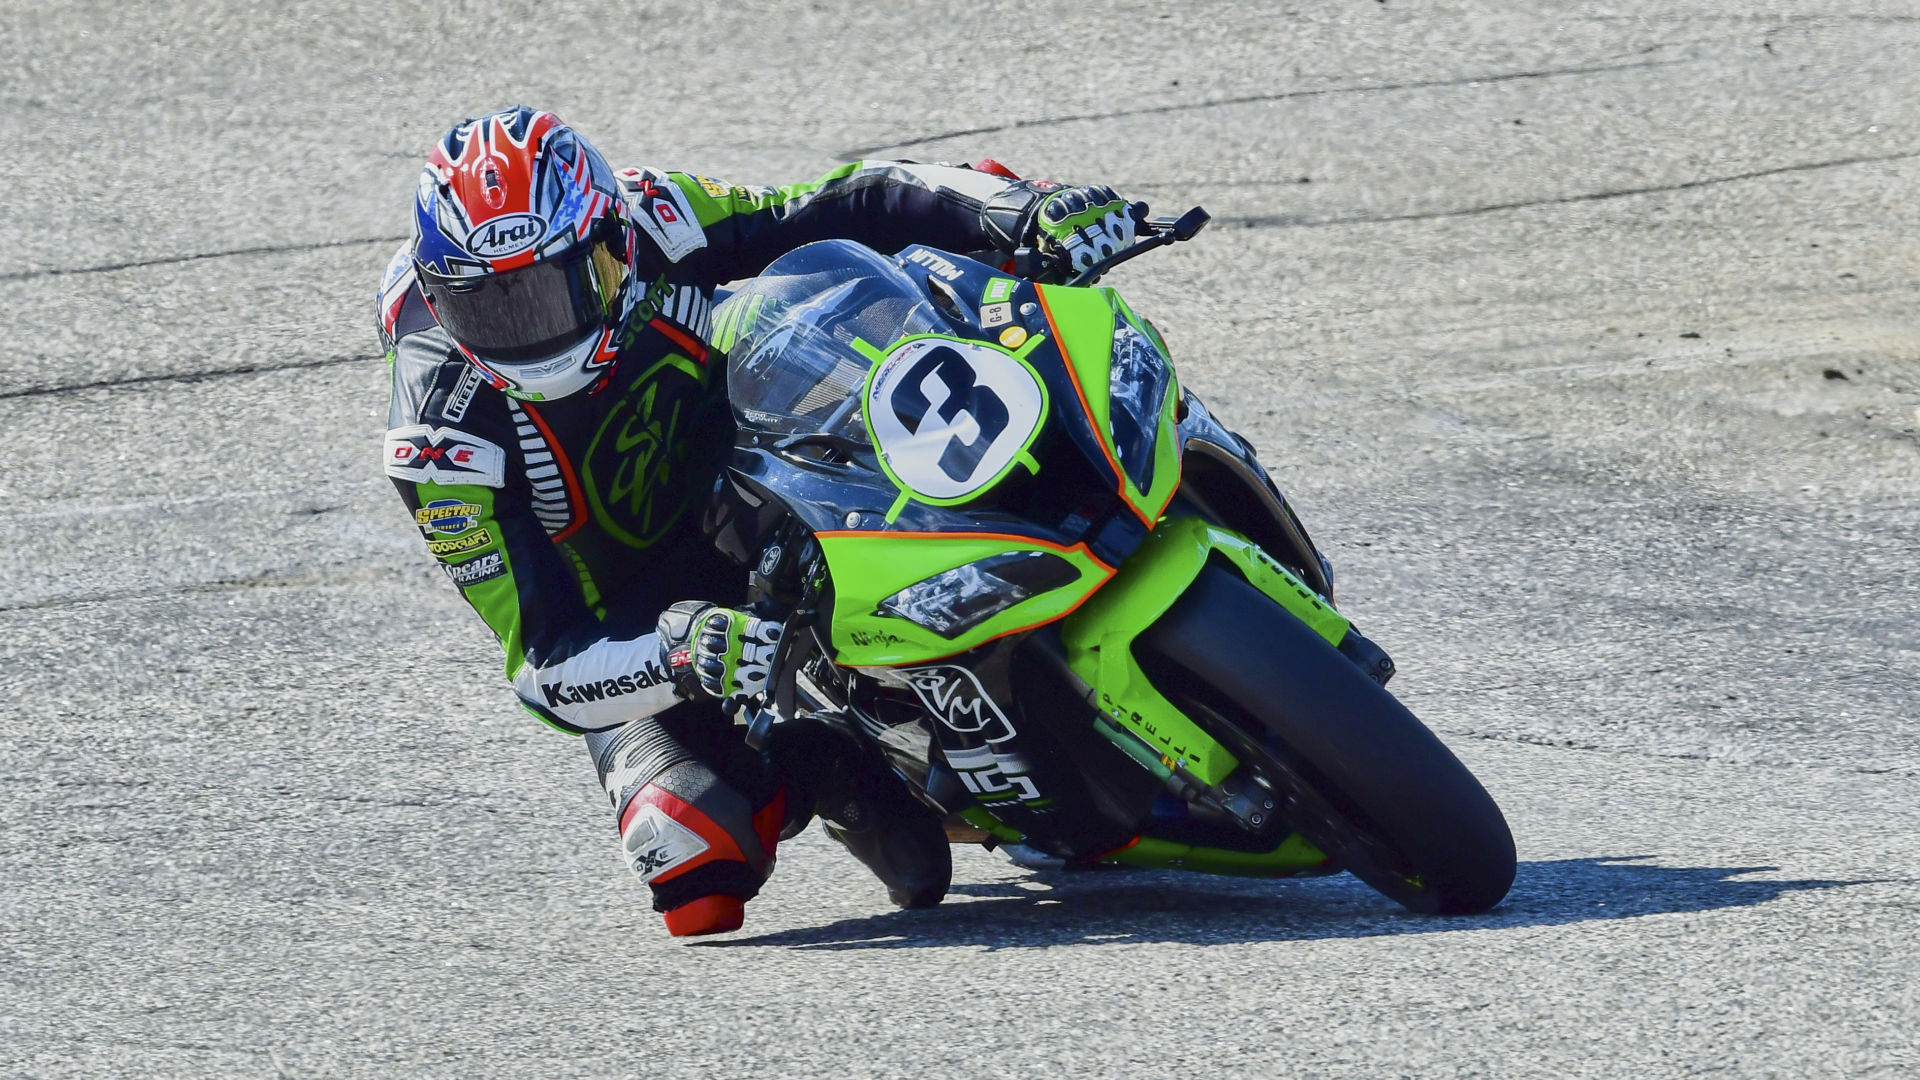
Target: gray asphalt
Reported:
point(1583, 336)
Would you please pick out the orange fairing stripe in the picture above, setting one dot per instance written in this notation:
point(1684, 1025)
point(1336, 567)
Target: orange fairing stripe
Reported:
point(574, 495)
point(684, 340)
point(1080, 547)
point(1120, 476)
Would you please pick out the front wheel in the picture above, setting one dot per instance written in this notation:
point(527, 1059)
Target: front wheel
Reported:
point(1361, 777)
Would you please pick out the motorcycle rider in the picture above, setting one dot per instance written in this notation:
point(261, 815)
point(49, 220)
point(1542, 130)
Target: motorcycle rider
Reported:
point(558, 420)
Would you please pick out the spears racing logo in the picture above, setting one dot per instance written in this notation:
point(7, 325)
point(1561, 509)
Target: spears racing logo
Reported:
point(647, 676)
point(474, 571)
point(425, 454)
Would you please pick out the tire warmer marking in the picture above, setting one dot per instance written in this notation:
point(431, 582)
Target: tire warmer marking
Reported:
point(556, 493)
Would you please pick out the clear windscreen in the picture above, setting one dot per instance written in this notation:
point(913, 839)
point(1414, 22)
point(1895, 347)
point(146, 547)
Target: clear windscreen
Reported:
point(792, 364)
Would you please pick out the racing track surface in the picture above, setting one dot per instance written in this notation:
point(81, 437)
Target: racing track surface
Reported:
point(1583, 337)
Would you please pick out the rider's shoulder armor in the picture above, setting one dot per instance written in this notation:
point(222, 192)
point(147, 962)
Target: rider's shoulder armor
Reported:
point(662, 212)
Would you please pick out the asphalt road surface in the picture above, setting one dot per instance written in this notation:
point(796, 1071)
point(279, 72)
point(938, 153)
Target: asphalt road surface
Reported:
point(1583, 337)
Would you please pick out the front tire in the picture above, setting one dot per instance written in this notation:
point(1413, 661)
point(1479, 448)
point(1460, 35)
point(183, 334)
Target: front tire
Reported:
point(1361, 776)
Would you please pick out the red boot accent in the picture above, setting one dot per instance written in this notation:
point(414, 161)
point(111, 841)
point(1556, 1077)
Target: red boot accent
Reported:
point(707, 915)
point(720, 845)
point(767, 823)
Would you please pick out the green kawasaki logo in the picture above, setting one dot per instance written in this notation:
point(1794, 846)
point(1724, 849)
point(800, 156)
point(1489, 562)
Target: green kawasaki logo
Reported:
point(636, 459)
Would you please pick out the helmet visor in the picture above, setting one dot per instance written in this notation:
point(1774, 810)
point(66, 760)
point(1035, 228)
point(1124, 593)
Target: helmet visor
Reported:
point(527, 315)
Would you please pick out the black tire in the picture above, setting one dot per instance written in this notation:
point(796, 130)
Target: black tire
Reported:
point(1359, 775)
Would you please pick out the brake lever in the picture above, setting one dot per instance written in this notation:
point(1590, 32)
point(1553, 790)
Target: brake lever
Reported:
point(1160, 232)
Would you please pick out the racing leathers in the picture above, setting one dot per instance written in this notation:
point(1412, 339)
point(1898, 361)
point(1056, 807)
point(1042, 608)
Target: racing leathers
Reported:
point(572, 525)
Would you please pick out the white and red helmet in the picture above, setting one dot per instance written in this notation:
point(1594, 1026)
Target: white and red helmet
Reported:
point(523, 251)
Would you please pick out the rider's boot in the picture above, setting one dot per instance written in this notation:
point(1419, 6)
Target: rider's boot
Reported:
point(702, 844)
point(868, 810)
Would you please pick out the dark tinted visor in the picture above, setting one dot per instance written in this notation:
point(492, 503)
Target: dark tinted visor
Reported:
point(533, 313)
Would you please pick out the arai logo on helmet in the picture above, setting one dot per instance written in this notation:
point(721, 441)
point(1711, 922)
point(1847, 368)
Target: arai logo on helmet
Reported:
point(510, 234)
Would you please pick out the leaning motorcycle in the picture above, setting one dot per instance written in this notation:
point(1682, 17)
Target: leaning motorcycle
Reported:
point(1022, 564)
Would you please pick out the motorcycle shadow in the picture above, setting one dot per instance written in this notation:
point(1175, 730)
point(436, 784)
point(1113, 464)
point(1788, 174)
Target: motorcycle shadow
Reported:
point(1052, 908)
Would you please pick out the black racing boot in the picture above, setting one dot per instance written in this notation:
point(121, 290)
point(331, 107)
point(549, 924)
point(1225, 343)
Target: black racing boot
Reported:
point(867, 809)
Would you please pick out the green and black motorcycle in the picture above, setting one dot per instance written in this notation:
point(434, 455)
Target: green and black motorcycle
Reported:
point(1020, 562)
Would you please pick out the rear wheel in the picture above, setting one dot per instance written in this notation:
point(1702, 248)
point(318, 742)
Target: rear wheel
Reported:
point(1361, 777)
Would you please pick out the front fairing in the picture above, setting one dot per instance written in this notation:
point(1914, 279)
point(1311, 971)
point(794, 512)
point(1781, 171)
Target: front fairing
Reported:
point(810, 344)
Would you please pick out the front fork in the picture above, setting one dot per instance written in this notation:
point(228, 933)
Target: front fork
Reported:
point(1132, 714)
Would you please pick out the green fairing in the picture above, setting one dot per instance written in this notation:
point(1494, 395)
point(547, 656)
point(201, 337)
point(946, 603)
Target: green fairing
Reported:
point(1085, 320)
point(1294, 855)
point(869, 567)
point(1099, 636)
point(980, 819)
point(1166, 449)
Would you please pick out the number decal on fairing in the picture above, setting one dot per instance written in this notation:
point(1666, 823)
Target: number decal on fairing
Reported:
point(951, 417)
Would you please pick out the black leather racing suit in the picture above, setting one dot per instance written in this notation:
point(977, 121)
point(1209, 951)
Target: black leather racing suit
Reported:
point(569, 525)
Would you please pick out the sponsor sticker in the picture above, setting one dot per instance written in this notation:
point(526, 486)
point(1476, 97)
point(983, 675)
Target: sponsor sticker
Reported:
point(992, 772)
point(456, 407)
point(509, 234)
point(655, 843)
point(712, 187)
point(447, 517)
point(995, 315)
point(950, 417)
point(935, 263)
point(644, 677)
point(997, 290)
point(460, 545)
point(425, 454)
point(954, 695)
point(474, 571)
point(1013, 337)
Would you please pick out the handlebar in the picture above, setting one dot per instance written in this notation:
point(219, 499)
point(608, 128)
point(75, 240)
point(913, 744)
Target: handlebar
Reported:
point(1159, 232)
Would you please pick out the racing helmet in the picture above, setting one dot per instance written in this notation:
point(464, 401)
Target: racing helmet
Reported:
point(522, 246)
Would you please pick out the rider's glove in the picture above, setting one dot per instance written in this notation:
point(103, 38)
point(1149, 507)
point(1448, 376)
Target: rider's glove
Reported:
point(718, 651)
point(1077, 227)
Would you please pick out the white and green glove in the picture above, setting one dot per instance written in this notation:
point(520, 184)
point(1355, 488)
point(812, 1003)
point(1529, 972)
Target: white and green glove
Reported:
point(718, 651)
point(1079, 226)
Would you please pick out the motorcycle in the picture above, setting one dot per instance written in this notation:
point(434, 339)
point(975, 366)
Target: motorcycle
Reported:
point(1019, 562)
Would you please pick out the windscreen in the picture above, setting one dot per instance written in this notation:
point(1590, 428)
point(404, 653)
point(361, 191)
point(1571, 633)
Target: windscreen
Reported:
point(792, 364)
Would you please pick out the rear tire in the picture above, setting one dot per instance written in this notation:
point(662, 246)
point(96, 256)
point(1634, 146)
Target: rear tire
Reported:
point(1361, 776)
